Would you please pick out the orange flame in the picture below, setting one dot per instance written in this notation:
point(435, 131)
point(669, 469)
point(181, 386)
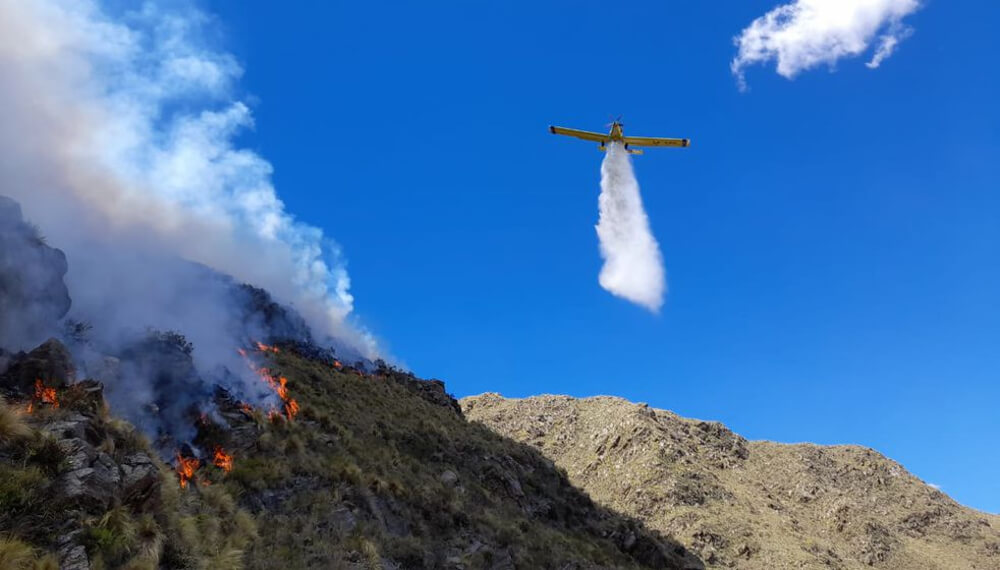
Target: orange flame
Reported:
point(337, 364)
point(186, 467)
point(267, 348)
point(222, 460)
point(291, 408)
point(44, 395)
point(277, 383)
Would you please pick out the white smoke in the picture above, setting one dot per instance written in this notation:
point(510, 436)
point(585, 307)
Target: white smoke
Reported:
point(117, 134)
point(633, 266)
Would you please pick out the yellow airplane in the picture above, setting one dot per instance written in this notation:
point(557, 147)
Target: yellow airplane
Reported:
point(617, 135)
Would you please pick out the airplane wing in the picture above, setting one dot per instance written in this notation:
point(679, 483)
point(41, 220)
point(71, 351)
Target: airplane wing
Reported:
point(653, 141)
point(585, 135)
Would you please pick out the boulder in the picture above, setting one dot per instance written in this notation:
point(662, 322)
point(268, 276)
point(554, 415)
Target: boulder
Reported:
point(51, 363)
point(91, 478)
point(140, 479)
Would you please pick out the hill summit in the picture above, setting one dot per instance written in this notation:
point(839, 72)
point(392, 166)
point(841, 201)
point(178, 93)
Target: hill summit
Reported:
point(748, 504)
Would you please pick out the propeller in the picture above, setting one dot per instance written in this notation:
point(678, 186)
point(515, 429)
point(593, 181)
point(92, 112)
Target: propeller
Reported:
point(614, 120)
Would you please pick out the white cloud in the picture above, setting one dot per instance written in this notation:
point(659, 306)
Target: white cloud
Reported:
point(808, 33)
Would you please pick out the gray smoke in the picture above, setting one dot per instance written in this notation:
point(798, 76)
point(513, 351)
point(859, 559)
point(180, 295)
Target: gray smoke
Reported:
point(33, 296)
point(633, 266)
point(117, 137)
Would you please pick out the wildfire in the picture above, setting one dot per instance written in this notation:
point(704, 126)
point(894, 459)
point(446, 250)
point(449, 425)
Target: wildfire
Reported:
point(186, 466)
point(337, 364)
point(222, 460)
point(43, 395)
point(291, 408)
point(267, 348)
point(277, 383)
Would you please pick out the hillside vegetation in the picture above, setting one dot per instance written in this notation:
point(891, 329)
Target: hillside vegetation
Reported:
point(748, 504)
point(373, 470)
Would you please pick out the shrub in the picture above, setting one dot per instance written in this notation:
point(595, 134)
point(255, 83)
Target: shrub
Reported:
point(15, 555)
point(12, 425)
point(19, 489)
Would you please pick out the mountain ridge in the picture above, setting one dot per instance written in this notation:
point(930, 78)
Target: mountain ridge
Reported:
point(747, 504)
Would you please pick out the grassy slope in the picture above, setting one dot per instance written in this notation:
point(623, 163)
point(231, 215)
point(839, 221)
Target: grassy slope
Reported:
point(176, 529)
point(375, 472)
point(370, 474)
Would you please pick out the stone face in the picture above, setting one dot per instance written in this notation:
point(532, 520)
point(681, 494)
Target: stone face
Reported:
point(74, 557)
point(91, 478)
point(140, 479)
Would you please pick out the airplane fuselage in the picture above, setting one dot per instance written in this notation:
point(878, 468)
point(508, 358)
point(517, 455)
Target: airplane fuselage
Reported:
point(617, 132)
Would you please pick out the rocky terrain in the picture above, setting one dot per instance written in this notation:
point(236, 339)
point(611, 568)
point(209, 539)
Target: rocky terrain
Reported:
point(374, 470)
point(748, 504)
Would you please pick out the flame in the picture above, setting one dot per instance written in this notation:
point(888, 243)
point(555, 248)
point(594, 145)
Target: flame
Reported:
point(277, 383)
point(43, 395)
point(246, 408)
point(291, 408)
point(186, 467)
point(337, 364)
point(222, 460)
point(267, 348)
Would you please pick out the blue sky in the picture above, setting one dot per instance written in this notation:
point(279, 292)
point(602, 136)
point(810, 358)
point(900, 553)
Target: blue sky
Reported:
point(831, 241)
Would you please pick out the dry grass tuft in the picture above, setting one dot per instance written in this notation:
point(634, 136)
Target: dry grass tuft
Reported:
point(13, 428)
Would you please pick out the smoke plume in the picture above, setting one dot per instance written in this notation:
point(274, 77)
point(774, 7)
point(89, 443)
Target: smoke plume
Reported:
point(633, 266)
point(118, 139)
point(118, 134)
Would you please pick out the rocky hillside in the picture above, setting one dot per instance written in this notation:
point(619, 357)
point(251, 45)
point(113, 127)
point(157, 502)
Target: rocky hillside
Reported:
point(367, 470)
point(748, 504)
